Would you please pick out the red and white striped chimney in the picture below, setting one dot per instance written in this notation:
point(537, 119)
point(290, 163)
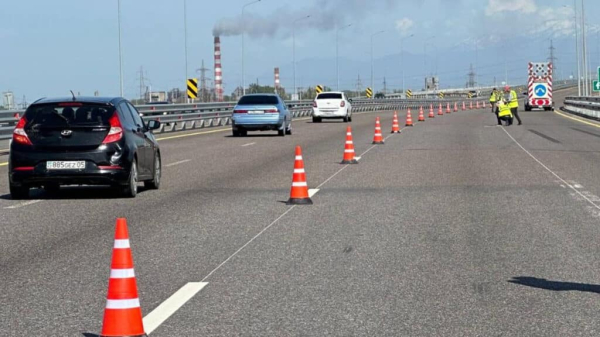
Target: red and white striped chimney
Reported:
point(277, 82)
point(218, 70)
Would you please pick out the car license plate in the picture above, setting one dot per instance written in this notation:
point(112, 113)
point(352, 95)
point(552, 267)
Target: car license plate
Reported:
point(256, 112)
point(65, 165)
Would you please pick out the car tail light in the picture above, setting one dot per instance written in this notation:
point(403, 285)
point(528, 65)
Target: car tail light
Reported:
point(23, 169)
point(116, 130)
point(342, 104)
point(314, 104)
point(272, 111)
point(240, 111)
point(69, 104)
point(19, 134)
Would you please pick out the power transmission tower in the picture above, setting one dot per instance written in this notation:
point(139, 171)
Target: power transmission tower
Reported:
point(358, 85)
point(471, 82)
point(142, 82)
point(384, 86)
point(552, 58)
point(203, 87)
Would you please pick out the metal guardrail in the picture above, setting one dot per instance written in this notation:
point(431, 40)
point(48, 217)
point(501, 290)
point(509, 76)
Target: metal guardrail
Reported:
point(181, 117)
point(588, 107)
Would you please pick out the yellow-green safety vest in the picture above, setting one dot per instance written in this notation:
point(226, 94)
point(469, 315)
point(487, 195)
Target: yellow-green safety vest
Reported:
point(504, 110)
point(493, 97)
point(514, 100)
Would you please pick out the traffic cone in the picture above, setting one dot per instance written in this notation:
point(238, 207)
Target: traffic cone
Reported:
point(455, 107)
point(431, 115)
point(477, 104)
point(377, 138)
point(464, 106)
point(122, 315)
point(395, 124)
point(299, 191)
point(471, 105)
point(448, 108)
point(349, 148)
point(409, 121)
point(440, 111)
point(421, 115)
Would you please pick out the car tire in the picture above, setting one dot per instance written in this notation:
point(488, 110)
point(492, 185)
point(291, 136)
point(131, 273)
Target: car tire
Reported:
point(243, 133)
point(52, 188)
point(350, 118)
point(235, 133)
point(130, 189)
point(19, 192)
point(346, 119)
point(154, 184)
point(316, 119)
point(288, 131)
point(281, 132)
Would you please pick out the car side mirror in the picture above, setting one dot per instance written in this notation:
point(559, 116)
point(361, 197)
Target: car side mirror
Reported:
point(153, 125)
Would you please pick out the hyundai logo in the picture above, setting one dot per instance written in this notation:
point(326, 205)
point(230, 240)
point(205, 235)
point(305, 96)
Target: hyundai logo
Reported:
point(66, 133)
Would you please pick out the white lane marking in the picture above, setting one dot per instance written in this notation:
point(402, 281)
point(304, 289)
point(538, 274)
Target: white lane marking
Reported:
point(249, 144)
point(178, 162)
point(27, 203)
point(312, 192)
point(357, 158)
point(167, 308)
point(552, 172)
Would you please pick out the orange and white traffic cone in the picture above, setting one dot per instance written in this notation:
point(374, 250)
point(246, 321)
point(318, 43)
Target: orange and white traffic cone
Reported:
point(349, 148)
point(455, 107)
point(440, 111)
point(431, 115)
point(409, 121)
point(299, 191)
point(123, 315)
point(378, 137)
point(395, 124)
point(471, 105)
point(464, 107)
point(448, 108)
point(477, 104)
point(421, 115)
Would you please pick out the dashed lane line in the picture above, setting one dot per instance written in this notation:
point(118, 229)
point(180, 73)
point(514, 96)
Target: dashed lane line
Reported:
point(23, 204)
point(178, 163)
point(167, 308)
point(249, 144)
point(569, 185)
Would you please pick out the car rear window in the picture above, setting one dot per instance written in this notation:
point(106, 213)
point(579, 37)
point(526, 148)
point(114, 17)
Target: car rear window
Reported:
point(258, 100)
point(329, 96)
point(72, 114)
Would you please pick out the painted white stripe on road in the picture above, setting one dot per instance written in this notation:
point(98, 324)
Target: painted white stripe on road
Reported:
point(23, 204)
point(178, 162)
point(312, 192)
point(121, 244)
point(123, 304)
point(122, 273)
point(167, 308)
point(249, 144)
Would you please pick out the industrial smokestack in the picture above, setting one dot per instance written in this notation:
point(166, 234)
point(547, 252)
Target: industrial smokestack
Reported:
point(277, 83)
point(218, 70)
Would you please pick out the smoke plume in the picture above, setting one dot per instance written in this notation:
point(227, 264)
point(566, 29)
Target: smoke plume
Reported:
point(324, 15)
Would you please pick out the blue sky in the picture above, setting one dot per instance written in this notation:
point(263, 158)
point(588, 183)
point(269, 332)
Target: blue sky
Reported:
point(50, 47)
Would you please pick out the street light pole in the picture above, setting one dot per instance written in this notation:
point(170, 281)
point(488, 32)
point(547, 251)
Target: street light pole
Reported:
point(243, 34)
point(120, 51)
point(372, 63)
point(294, 50)
point(402, 57)
point(586, 84)
point(337, 61)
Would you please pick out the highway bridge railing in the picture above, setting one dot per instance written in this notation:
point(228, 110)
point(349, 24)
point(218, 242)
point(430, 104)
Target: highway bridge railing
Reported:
point(588, 107)
point(181, 117)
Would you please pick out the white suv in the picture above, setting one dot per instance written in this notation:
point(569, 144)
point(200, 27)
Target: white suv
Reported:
point(332, 105)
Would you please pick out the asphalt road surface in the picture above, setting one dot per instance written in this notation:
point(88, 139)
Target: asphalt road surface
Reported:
point(456, 227)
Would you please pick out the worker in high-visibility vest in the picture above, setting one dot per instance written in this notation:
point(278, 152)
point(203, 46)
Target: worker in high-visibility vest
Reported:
point(504, 113)
point(494, 99)
point(513, 102)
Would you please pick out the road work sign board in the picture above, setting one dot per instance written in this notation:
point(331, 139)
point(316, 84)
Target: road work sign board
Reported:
point(540, 90)
point(319, 89)
point(369, 92)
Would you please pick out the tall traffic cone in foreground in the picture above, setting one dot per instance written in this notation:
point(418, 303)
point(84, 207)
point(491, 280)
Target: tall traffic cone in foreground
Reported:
point(431, 115)
point(123, 315)
point(421, 115)
point(440, 111)
point(349, 148)
point(448, 108)
point(395, 124)
point(455, 106)
point(299, 191)
point(409, 121)
point(378, 137)
point(464, 106)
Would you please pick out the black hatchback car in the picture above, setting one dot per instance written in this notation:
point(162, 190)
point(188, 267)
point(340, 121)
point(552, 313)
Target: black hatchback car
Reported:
point(83, 141)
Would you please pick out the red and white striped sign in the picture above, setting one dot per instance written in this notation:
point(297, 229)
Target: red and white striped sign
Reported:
point(540, 73)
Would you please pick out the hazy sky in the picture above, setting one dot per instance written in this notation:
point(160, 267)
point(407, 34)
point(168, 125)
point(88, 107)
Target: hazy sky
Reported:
point(49, 47)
